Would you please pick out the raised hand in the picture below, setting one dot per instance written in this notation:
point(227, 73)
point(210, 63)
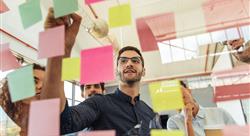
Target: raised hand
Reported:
point(71, 30)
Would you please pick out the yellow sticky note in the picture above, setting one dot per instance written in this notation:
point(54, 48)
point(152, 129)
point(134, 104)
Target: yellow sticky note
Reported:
point(71, 69)
point(166, 95)
point(120, 15)
point(161, 132)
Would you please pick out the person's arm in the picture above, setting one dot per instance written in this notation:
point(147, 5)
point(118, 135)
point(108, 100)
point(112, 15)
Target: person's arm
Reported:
point(188, 119)
point(53, 87)
point(78, 117)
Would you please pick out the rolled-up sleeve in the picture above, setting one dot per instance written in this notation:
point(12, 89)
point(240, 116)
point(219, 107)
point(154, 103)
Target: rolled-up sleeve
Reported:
point(171, 125)
point(78, 117)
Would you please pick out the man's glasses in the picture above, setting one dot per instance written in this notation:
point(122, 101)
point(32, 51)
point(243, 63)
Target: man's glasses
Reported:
point(124, 60)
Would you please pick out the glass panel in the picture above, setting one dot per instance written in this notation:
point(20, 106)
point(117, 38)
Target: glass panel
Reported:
point(78, 95)
point(232, 33)
point(203, 39)
point(165, 53)
point(178, 54)
point(218, 36)
point(68, 89)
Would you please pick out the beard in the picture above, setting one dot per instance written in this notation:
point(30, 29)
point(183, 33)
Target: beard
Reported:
point(130, 81)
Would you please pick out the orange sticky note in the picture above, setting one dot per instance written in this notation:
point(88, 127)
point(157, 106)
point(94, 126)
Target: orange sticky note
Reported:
point(44, 118)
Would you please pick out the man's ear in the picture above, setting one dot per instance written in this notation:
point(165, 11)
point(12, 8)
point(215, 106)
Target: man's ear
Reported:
point(143, 72)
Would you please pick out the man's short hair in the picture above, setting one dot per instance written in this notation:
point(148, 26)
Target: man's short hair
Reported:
point(129, 48)
point(183, 84)
point(38, 67)
point(101, 83)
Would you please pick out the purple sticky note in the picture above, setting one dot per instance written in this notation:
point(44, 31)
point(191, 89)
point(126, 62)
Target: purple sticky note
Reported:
point(98, 133)
point(91, 1)
point(97, 65)
point(51, 42)
point(7, 60)
point(3, 7)
point(44, 118)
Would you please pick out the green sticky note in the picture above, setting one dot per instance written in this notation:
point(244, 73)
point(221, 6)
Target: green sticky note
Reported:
point(161, 132)
point(30, 13)
point(21, 83)
point(120, 15)
point(166, 95)
point(65, 7)
point(71, 69)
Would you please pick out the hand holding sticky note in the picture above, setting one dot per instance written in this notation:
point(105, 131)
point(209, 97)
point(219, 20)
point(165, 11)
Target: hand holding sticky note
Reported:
point(65, 7)
point(166, 95)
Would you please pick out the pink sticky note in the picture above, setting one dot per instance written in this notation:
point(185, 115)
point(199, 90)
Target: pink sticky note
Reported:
point(146, 36)
point(3, 7)
point(44, 118)
point(51, 42)
point(91, 1)
point(7, 60)
point(97, 65)
point(98, 133)
point(218, 14)
point(234, 130)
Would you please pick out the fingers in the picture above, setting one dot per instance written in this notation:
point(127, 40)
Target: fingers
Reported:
point(76, 21)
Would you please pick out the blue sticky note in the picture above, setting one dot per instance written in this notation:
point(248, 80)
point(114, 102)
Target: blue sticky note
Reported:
point(65, 7)
point(30, 13)
point(21, 83)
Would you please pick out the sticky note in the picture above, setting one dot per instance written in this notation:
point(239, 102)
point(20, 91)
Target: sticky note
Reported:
point(51, 42)
point(92, 1)
point(7, 60)
point(234, 130)
point(30, 13)
point(161, 132)
point(146, 36)
point(44, 118)
point(65, 7)
point(97, 65)
point(120, 15)
point(3, 7)
point(166, 95)
point(98, 133)
point(21, 83)
point(71, 69)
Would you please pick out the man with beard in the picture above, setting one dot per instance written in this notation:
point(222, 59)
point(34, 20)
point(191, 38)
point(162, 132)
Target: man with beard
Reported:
point(89, 90)
point(122, 110)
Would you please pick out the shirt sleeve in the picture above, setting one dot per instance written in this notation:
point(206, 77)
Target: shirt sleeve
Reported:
point(171, 125)
point(228, 119)
point(78, 117)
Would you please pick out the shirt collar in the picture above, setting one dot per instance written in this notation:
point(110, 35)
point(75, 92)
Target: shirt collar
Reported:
point(200, 114)
point(125, 97)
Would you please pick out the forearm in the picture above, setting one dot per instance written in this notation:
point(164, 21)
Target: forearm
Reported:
point(53, 86)
point(189, 128)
